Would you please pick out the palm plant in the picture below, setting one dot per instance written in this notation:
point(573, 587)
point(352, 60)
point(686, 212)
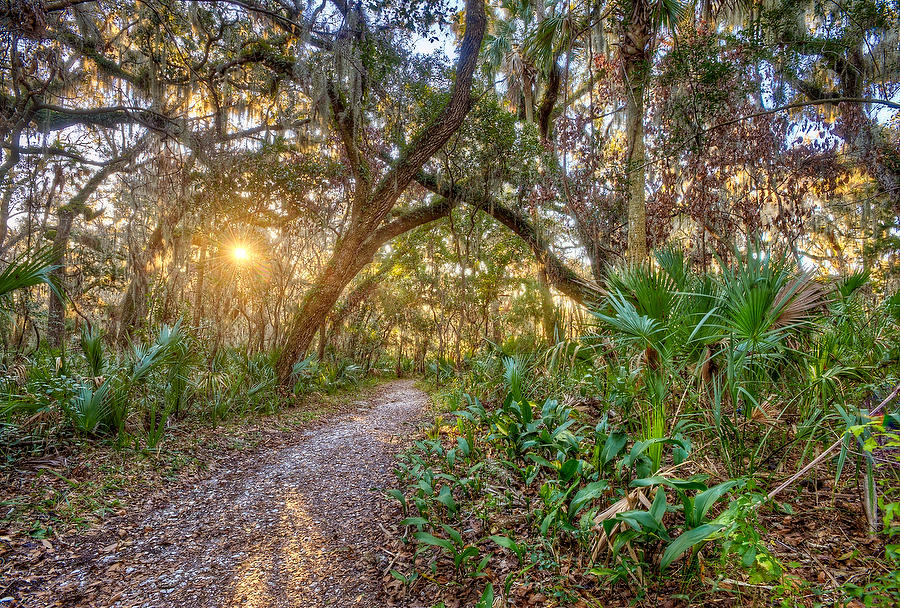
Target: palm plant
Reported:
point(92, 349)
point(89, 408)
point(765, 303)
point(30, 269)
point(652, 308)
point(143, 360)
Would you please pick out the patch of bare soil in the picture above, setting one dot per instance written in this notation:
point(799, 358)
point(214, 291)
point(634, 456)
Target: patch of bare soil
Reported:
point(301, 525)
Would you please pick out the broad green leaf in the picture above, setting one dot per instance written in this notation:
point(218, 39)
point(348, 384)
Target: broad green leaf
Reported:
point(397, 494)
point(414, 521)
point(658, 508)
point(464, 448)
point(613, 446)
point(705, 500)
point(428, 539)
point(641, 521)
point(446, 498)
point(505, 542)
point(679, 484)
point(585, 495)
point(686, 541)
point(487, 598)
point(568, 469)
point(453, 534)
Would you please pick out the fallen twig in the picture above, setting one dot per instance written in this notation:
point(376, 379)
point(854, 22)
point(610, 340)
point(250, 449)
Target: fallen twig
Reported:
point(833, 447)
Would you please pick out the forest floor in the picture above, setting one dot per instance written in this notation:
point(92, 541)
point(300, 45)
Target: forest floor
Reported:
point(299, 521)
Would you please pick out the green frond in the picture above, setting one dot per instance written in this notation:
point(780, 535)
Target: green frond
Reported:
point(31, 269)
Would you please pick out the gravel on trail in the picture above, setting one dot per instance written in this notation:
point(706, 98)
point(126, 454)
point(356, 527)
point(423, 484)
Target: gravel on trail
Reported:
point(299, 526)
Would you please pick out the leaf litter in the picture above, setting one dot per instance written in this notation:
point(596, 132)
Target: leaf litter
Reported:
point(300, 525)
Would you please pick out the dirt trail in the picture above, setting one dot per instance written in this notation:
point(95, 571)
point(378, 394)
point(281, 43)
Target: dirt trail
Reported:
point(299, 527)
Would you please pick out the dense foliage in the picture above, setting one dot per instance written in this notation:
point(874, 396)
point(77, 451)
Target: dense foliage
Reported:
point(596, 468)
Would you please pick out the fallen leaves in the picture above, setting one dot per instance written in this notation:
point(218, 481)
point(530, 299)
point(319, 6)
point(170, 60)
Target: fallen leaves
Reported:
point(296, 517)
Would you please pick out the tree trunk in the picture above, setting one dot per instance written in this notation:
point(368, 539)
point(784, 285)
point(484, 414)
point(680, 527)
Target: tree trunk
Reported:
point(56, 321)
point(371, 204)
point(346, 261)
point(549, 318)
point(201, 278)
point(634, 164)
point(323, 341)
point(399, 369)
point(635, 67)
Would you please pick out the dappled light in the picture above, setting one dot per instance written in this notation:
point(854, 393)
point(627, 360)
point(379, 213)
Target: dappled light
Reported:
point(470, 304)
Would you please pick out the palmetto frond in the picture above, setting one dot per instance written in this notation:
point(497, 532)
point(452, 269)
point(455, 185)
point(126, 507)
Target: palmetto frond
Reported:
point(629, 324)
point(30, 269)
point(764, 299)
point(892, 304)
point(652, 291)
point(850, 284)
point(797, 300)
point(668, 13)
point(92, 348)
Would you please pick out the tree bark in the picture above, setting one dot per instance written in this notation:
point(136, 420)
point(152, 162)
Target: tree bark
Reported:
point(351, 255)
point(635, 68)
point(56, 320)
point(549, 317)
point(201, 277)
point(323, 341)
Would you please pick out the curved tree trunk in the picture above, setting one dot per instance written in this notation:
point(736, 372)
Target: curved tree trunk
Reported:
point(371, 204)
point(558, 274)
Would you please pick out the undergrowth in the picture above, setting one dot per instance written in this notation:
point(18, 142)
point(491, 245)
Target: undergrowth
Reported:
point(636, 461)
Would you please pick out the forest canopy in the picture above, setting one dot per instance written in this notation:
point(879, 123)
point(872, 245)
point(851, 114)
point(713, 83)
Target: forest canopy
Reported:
point(439, 172)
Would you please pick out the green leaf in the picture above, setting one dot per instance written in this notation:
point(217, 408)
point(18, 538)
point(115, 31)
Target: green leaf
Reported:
point(469, 552)
point(585, 495)
point(613, 446)
point(414, 521)
point(505, 542)
point(398, 576)
point(686, 541)
point(453, 534)
point(446, 498)
point(658, 508)
point(679, 484)
point(464, 447)
point(539, 460)
point(642, 521)
point(548, 519)
point(704, 500)
point(428, 539)
point(568, 469)
point(30, 269)
point(487, 598)
point(398, 495)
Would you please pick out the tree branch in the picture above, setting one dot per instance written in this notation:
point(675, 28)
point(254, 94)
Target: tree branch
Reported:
point(559, 274)
point(447, 122)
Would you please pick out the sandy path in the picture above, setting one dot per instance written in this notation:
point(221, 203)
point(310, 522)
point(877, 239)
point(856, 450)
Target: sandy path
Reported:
point(296, 527)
